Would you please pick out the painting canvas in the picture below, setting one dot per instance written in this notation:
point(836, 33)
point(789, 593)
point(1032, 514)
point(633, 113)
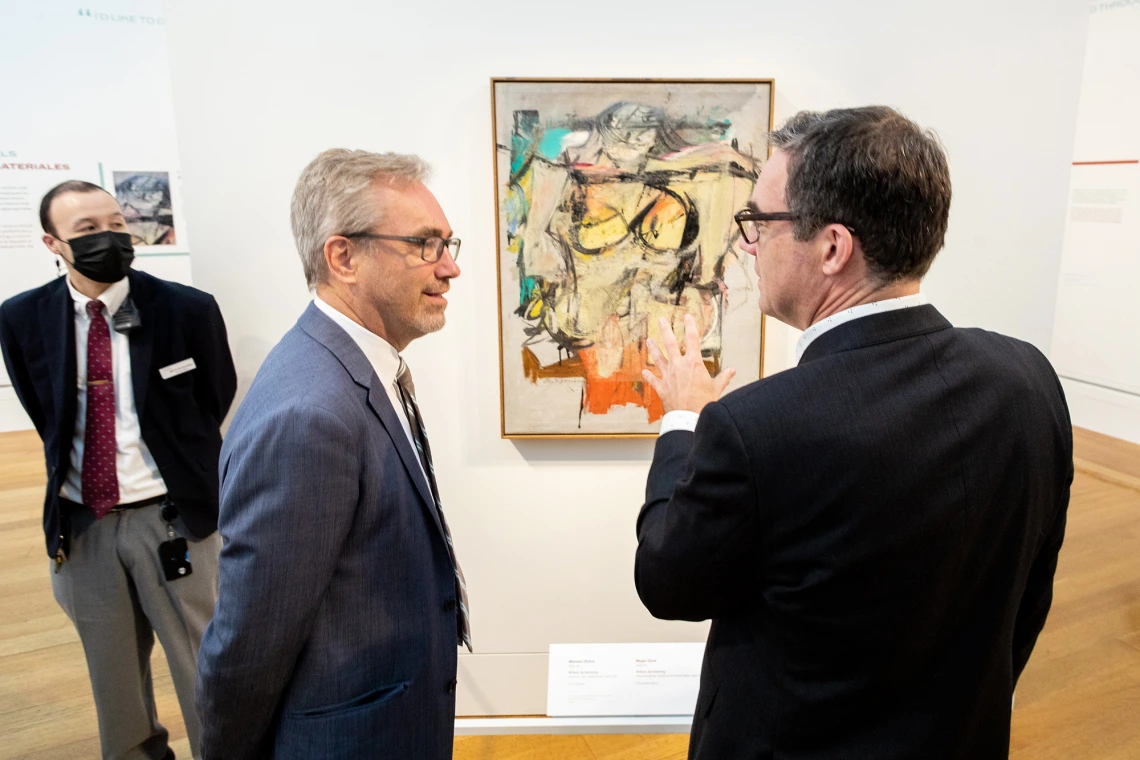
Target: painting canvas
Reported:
point(615, 201)
point(146, 203)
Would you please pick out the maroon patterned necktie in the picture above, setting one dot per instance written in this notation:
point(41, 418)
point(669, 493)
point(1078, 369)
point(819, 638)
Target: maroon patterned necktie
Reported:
point(99, 478)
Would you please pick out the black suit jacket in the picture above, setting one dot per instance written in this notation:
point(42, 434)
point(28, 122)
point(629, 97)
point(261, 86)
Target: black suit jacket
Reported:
point(180, 417)
point(873, 534)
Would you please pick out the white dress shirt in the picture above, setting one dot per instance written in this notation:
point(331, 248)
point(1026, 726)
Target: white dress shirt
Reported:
point(855, 312)
point(381, 354)
point(139, 477)
point(682, 419)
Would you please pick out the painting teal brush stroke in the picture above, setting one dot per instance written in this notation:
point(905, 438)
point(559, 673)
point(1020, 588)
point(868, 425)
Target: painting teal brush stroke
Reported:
point(527, 286)
point(550, 146)
point(522, 138)
point(520, 147)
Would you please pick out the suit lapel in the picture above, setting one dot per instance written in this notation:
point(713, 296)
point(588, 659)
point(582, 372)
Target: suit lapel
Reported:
point(142, 339)
point(329, 334)
point(381, 406)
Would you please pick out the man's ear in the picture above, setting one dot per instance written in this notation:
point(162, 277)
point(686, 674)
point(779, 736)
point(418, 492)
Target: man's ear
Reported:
point(53, 244)
point(837, 249)
point(340, 258)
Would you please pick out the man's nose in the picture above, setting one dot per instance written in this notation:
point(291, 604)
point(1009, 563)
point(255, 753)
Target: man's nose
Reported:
point(446, 267)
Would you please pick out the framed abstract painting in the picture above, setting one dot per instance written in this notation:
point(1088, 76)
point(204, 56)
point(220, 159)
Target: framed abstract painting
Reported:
point(614, 203)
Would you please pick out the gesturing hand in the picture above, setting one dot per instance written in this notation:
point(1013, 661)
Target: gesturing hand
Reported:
point(684, 382)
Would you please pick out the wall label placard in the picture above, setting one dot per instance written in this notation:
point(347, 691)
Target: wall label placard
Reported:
point(623, 679)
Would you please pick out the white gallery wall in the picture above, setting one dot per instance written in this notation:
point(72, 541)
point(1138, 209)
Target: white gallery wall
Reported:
point(86, 95)
point(545, 530)
point(1096, 337)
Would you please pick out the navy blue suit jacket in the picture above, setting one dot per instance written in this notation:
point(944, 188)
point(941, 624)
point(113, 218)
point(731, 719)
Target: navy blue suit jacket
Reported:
point(335, 630)
point(180, 418)
point(873, 534)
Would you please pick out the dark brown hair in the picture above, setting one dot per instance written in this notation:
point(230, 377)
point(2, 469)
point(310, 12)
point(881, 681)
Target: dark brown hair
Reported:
point(876, 171)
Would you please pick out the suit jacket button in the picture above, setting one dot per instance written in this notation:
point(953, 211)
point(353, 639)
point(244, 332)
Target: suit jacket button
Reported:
point(449, 605)
point(451, 687)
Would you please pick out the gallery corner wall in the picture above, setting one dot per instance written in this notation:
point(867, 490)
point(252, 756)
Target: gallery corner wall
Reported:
point(1096, 348)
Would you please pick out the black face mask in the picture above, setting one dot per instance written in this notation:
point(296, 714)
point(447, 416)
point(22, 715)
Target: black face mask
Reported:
point(103, 256)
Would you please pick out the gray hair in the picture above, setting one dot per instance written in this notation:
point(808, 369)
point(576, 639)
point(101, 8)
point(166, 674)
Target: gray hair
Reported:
point(332, 198)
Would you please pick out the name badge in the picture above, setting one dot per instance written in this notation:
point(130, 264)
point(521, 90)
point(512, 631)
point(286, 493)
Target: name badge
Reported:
point(178, 368)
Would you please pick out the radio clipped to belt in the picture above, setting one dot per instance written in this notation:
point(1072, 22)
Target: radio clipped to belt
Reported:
point(173, 554)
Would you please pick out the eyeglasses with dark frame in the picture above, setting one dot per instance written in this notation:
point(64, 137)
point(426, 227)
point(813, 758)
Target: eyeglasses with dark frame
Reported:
point(431, 248)
point(746, 220)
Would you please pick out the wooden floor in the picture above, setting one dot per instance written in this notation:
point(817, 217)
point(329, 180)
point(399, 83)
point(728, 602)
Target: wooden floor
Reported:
point(1079, 699)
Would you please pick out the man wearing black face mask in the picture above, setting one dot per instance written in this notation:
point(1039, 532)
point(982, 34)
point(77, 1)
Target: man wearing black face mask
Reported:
point(126, 378)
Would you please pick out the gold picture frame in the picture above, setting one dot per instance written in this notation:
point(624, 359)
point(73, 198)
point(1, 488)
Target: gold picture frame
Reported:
point(663, 128)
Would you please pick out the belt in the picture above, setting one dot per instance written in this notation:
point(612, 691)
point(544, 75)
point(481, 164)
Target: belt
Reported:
point(120, 507)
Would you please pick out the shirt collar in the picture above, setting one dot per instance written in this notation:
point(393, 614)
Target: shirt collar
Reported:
point(112, 297)
point(855, 312)
point(381, 354)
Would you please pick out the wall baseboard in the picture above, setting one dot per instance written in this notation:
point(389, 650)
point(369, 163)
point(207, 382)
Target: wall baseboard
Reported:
point(656, 724)
point(1103, 410)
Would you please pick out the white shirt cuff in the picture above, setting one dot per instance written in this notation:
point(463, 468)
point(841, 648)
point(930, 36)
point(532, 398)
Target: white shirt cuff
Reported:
point(678, 419)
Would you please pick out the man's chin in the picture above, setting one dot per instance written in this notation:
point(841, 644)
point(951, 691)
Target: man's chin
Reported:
point(433, 322)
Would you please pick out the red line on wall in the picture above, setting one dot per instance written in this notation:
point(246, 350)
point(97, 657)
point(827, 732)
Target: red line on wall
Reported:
point(1102, 163)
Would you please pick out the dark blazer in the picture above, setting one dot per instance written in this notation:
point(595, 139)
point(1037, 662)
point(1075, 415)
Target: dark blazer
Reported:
point(873, 534)
point(179, 418)
point(335, 630)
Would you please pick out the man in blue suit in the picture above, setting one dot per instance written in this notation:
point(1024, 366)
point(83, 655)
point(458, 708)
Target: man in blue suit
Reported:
point(340, 601)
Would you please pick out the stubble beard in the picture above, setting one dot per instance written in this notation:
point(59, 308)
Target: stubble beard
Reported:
point(430, 319)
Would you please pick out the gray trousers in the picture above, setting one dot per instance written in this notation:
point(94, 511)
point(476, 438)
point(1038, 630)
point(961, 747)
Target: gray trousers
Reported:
point(114, 590)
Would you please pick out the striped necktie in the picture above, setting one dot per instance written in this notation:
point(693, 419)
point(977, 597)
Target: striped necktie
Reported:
point(423, 450)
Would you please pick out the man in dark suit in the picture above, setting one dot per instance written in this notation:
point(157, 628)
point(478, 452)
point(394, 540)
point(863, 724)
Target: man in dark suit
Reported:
point(341, 601)
point(126, 378)
point(874, 532)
